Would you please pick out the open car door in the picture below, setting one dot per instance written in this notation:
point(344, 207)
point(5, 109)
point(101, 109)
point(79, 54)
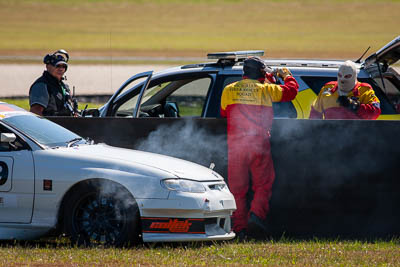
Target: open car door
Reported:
point(106, 111)
point(387, 55)
point(380, 67)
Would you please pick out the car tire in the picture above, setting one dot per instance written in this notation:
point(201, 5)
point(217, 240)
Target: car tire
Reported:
point(102, 213)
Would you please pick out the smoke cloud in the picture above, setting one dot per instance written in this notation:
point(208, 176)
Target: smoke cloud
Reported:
point(189, 141)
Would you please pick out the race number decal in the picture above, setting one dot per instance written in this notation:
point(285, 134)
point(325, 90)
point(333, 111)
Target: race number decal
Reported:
point(3, 173)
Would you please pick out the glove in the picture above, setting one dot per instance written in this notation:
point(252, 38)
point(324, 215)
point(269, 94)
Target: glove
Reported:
point(351, 103)
point(354, 104)
point(283, 73)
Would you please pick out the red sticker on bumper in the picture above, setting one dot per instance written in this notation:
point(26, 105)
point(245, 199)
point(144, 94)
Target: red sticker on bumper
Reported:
point(173, 225)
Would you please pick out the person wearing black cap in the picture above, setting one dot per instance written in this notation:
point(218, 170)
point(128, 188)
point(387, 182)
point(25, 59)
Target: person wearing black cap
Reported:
point(247, 105)
point(49, 95)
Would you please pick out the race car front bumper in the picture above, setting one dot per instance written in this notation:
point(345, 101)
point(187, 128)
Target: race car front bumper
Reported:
point(181, 229)
point(187, 217)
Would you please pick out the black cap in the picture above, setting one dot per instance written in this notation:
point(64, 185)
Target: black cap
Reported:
point(254, 67)
point(254, 63)
point(59, 57)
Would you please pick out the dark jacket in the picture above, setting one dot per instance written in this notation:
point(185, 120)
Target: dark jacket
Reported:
point(57, 96)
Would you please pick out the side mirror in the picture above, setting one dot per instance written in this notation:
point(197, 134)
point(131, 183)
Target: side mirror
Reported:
point(7, 137)
point(93, 112)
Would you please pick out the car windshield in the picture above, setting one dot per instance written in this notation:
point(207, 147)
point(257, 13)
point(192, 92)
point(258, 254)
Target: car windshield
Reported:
point(42, 130)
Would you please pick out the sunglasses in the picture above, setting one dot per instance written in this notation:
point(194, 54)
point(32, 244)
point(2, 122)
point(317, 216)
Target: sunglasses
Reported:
point(61, 66)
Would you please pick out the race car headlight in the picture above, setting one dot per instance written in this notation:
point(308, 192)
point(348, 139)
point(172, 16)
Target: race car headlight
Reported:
point(183, 185)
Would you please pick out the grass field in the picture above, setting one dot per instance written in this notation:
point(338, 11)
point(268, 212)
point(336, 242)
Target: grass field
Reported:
point(308, 28)
point(279, 253)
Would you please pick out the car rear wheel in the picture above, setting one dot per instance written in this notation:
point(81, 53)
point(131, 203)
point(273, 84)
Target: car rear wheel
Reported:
point(102, 213)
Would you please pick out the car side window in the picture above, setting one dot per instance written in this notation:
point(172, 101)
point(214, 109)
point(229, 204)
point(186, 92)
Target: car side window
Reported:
point(316, 83)
point(126, 109)
point(174, 97)
point(18, 144)
point(3, 145)
point(391, 91)
point(190, 97)
point(386, 106)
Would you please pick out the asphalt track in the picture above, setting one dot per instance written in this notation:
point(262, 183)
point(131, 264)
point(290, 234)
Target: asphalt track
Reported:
point(15, 79)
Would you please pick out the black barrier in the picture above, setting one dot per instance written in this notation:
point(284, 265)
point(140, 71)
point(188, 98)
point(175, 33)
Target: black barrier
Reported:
point(333, 178)
point(336, 178)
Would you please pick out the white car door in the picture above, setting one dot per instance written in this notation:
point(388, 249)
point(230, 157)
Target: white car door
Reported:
point(16, 184)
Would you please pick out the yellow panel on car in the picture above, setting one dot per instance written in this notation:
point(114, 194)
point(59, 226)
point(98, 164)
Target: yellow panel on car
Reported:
point(389, 117)
point(303, 102)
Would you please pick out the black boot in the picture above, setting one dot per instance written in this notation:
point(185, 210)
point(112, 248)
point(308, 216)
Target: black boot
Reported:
point(256, 227)
point(241, 236)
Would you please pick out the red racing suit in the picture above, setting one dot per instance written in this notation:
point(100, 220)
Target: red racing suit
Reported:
point(327, 107)
point(247, 105)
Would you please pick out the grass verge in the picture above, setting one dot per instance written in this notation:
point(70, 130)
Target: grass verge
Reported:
point(272, 253)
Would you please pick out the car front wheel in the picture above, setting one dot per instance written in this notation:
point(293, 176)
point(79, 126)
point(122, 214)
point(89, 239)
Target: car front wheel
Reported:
point(102, 213)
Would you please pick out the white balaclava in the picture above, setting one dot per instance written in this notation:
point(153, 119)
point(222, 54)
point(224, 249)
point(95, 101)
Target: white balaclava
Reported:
point(347, 77)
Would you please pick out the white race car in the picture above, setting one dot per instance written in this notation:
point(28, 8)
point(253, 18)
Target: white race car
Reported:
point(52, 179)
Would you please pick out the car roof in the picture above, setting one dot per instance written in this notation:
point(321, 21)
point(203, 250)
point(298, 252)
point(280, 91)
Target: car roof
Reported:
point(9, 110)
point(315, 63)
point(311, 63)
point(299, 65)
